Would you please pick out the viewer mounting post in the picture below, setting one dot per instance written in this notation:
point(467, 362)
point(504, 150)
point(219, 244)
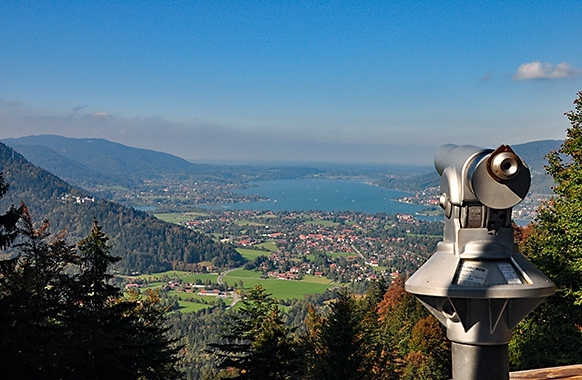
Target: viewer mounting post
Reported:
point(477, 284)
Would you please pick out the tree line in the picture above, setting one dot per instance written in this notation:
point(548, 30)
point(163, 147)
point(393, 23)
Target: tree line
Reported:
point(384, 334)
point(60, 318)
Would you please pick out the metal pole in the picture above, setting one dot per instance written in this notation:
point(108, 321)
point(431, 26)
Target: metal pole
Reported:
point(472, 362)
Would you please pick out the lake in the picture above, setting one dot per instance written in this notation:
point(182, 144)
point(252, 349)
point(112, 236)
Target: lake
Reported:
point(326, 195)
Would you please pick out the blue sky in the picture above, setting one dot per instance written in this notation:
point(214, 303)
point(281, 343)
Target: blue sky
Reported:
point(354, 81)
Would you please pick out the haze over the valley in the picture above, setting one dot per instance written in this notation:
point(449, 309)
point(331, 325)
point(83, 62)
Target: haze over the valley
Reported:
point(328, 81)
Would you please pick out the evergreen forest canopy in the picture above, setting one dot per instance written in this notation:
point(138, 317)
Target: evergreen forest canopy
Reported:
point(61, 319)
point(145, 243)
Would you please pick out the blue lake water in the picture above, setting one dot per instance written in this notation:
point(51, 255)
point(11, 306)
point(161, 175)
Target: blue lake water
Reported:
point(325, 195)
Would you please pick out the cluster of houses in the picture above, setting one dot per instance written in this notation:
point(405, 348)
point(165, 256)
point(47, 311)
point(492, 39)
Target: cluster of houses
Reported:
point(213, 293)
point(285, 275)
point(349, 233)
point(69, 198)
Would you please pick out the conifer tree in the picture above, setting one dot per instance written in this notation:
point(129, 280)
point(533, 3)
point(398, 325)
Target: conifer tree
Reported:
point(552, 334)
point(337, 344)
point(94, 261)
point(60, 319)
point(34, 293)
point(8, 220)
point(256, 343)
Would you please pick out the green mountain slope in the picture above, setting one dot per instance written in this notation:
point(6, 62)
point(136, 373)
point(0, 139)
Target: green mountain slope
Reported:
point(145, 243)
point(534, 152)
point(68, 169)
point(105, 157)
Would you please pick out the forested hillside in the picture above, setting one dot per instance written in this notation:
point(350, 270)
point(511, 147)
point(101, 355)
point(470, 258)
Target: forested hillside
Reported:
point(383, 334)
point(551, 335)
point(105, 157)
point(145, 243)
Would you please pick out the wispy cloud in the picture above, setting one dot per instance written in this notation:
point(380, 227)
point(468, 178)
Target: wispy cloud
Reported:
point(10, 103)
point(487, 77)
point(98, 115)
point(545, 70)
point(79, 108)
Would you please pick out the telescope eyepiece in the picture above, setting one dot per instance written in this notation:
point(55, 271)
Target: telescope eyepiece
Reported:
point(503, 164)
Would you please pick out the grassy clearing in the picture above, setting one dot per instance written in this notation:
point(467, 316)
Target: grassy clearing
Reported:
point(208, 300)
point(178, 218)
point(251, 254)
point(281, 289)
point(321, 222)
point(183, 275)
point(269, 246)
point(248, 223)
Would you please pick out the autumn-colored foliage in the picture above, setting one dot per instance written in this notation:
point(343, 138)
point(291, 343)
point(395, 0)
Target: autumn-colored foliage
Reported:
point(550, 336)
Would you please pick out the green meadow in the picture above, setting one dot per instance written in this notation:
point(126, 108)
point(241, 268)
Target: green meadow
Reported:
point(183, 275)
point(178, 218)
point(269, 246)
point(251, 254)
point(321, 222)
point(281, 289)
point(193, 302)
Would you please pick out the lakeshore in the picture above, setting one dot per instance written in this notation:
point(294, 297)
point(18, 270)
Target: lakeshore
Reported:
point(306, 194)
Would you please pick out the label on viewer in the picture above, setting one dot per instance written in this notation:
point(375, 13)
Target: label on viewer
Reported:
point(509, 273)
point(472, 274)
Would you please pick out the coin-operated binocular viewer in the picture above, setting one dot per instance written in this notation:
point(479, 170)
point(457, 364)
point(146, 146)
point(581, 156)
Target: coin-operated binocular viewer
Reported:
point(477, 284)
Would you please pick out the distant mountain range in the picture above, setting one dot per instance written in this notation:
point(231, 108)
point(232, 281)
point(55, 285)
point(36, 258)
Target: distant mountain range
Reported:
point(534, 153)
point(99, 160)
point(146, 243)
point(89, 162)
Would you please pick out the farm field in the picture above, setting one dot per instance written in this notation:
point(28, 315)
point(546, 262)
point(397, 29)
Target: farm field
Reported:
point(178, 218)
point(251, 254)
point(193, 302)
point(183, 275)
point(281, 289)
